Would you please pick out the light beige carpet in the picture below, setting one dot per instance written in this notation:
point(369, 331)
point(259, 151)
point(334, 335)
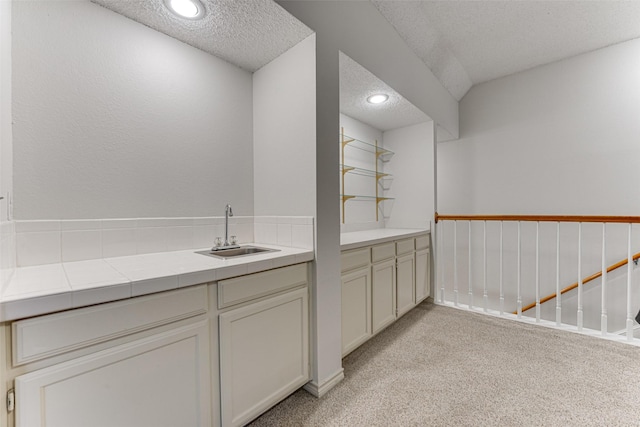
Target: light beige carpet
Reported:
point(438, 366)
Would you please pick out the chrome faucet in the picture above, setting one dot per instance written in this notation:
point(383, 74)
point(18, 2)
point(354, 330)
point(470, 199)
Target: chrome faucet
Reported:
point(226, 244)
point(227, 213)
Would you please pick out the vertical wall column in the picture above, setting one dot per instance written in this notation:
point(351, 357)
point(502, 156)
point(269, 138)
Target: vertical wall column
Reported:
point(361, 32)
point(326, 327)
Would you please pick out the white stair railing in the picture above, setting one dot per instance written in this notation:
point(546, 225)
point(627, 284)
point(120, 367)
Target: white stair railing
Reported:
point(505, 291)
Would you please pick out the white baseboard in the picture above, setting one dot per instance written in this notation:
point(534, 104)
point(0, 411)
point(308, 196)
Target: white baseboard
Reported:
point(319, 390)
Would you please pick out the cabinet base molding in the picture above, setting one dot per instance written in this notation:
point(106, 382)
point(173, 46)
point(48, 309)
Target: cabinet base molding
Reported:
point(319, 390)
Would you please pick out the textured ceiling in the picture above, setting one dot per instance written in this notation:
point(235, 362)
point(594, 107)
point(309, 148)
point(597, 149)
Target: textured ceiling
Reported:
point(357, 84)
point(462, 42)
point(252, 33)
point(247, 33)
point(469, 42)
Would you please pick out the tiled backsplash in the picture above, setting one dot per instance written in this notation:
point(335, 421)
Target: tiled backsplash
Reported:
point(296, 232)
point(48, 242)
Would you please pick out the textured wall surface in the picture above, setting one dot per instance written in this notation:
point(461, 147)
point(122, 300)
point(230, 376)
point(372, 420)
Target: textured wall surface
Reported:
point(6, 137)
point(558, 139)
point(113, 119)
point(284, 112)
point(412, 170)
point(360, 214)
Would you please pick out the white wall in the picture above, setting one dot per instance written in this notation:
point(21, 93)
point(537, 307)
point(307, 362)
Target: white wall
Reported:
point(413, 177)
point(360, 214)
point(362, 131)
point(114, 119)
point(7, 230)
point(284, 133)
point(6, 139)
point(456, 169)
point(411, 184)
point(557, 139)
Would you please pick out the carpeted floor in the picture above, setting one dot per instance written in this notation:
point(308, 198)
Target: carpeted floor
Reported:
point(438, 366)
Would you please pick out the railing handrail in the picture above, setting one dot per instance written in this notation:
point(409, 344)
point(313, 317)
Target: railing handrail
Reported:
point(541, 218)
point(586, 280)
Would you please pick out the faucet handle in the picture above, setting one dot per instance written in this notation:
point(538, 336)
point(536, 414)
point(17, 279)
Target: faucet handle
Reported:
point(218, 241)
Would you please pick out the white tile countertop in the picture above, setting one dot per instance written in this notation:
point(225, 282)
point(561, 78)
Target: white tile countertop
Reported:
point(358, 239)
point(42, 289)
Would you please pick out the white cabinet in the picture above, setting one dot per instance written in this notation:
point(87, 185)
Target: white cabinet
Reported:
point(160, 377)
point(405, 283)
point(379, 284)
point(423, 275)
point(406, 276)
point(383, 282)
point(356, 308)
point(264, 355)
point(384, 294)
point(264, 340)
point(218, 353)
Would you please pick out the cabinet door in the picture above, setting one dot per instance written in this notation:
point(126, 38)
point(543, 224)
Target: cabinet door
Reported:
point(384, 294)
point(405, 283)
point(356, 309)
point(423, 275)
point(264, 355)
point(162, 380)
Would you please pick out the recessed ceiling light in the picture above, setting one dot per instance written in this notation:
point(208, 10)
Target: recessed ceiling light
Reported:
point(378, 98)
point(190, 9)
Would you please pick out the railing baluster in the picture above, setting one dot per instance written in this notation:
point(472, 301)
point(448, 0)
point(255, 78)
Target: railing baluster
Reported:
point(579, 314)
point(519, 298)
point(603, 316)
point(501, 263)
point(442, 263)
point(558, 294)
point(470, 301)
point(538, 272)
point(485, 297)
point(629, 270)
point(455, 263)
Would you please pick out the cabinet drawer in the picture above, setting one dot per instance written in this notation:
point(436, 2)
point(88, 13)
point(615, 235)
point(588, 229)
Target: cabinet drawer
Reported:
point(384, 251)
point(422, 242)
point(47, 336)
point(357, 258)
point(245, 288)
point(405, 246)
